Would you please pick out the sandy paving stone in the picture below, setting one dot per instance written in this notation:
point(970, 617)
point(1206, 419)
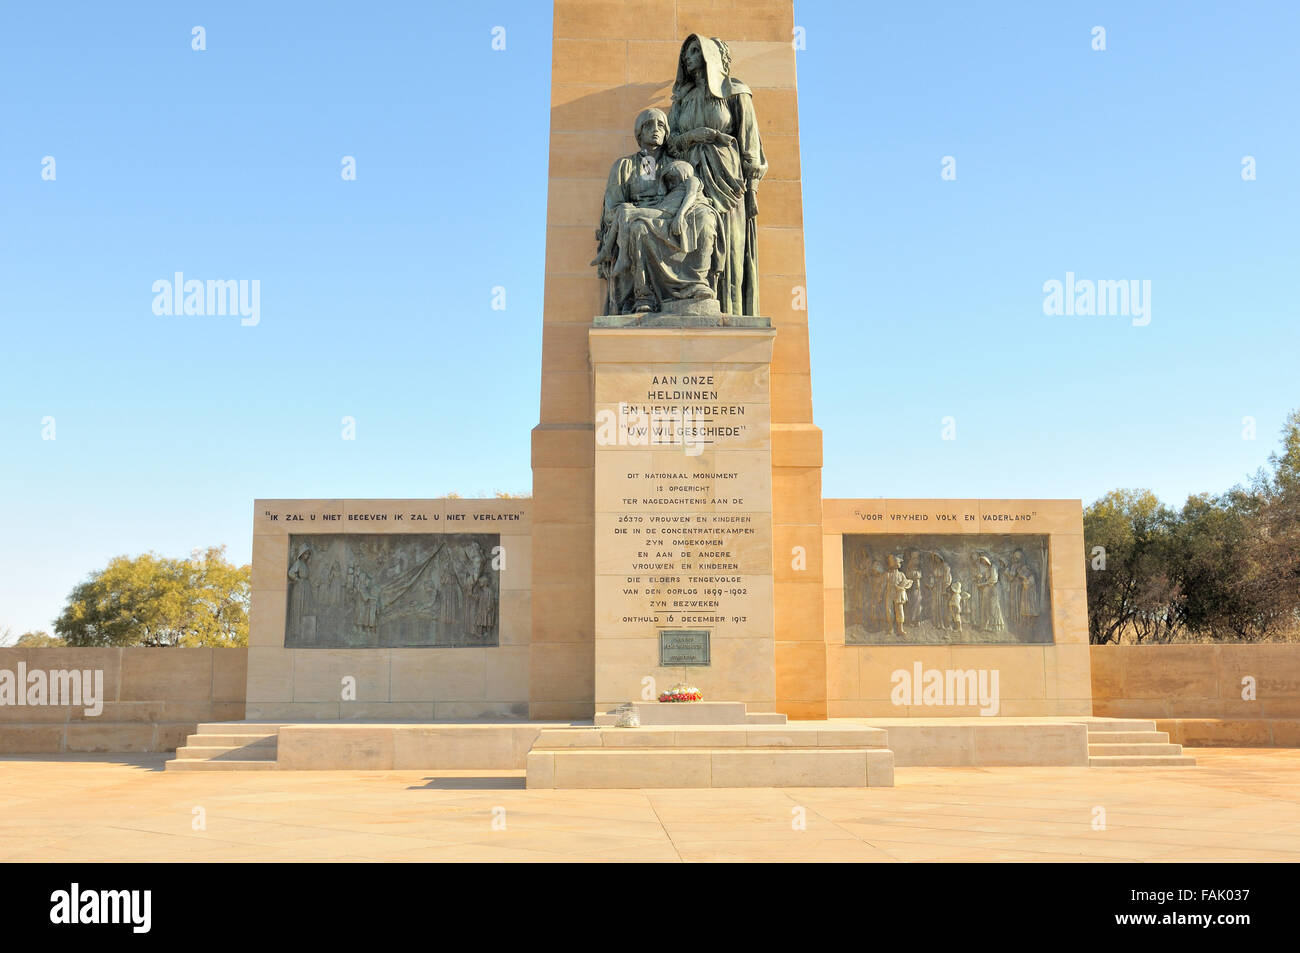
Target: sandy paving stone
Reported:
point(1235, 805)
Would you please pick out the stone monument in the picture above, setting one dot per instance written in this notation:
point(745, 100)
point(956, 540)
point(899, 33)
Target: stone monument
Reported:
point(681, 367)
point(677, 531)
point(671, 343)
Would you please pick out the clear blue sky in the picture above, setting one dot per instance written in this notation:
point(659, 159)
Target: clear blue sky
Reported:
point(925, 295)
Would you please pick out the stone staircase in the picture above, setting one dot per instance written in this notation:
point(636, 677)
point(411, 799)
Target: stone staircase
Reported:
point(254, 746)
point(711, 756)
point(1132, 742)
point(228, 746)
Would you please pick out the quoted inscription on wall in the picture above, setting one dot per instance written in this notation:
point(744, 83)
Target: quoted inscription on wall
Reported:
point(943, 522)
point(946, 589)
point(365, 590)
point(395, 518)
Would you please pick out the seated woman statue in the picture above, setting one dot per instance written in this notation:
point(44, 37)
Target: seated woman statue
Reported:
point(665, 215)
point(658, 241)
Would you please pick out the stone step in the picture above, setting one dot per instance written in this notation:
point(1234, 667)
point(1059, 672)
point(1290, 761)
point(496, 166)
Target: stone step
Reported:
point(807, 736)
point(1141, 761)
point(232, 741)
point(663, 714)
point(710, 768)
point(265, 729)
point(194, 765)
point(1128, 737)
point(212, 752)
point(1156, 748)
point(1121, 724)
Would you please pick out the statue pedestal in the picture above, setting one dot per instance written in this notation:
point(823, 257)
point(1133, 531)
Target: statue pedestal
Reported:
point(693, 306)
point(660, 714)
point(683, 513)
point(681, 319)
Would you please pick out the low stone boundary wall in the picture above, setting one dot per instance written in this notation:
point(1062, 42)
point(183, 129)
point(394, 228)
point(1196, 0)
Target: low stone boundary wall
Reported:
point(1232, 732)
point(1203, 695)
point(134, 699)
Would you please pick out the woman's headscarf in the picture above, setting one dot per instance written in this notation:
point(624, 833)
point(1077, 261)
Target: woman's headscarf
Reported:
point(717, 67)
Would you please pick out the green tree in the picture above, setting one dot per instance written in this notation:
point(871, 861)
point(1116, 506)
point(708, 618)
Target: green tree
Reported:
point(1225, 566)
point(1214, 557)
point(1278, 530)
point(38, 640)
point(1286, 465)
point(1237, 558)
point(157, 601)
point(1130, 590)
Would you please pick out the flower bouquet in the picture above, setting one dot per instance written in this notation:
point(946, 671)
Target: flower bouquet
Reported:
point(682, 693)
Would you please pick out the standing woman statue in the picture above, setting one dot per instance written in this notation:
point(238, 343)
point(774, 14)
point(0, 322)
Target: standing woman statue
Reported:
point(300, 576)
point(986, 582)
point(713, 127)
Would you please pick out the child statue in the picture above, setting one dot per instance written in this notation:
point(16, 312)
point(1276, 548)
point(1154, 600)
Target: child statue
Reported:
point(955, 596)
point(664, 216)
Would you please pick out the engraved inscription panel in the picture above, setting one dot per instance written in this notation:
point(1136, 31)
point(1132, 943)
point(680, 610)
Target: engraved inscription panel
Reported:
point(392, 590)
point(930, 589)
point(683, 514)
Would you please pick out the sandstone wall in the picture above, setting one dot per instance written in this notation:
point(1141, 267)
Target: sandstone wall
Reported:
point(153, 698)
point(1195, 691)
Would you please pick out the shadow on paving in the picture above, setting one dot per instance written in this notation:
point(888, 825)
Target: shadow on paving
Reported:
point(470, 784)
point(145, 762)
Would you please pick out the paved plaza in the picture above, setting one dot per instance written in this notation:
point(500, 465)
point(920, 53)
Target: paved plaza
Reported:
point(1235, 805)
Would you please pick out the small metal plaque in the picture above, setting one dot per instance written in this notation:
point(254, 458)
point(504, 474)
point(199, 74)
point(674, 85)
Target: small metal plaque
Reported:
point(683, 647)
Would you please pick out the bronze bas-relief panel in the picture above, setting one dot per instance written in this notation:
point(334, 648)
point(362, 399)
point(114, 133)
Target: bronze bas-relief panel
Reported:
point(393, 590)
point(937, 589)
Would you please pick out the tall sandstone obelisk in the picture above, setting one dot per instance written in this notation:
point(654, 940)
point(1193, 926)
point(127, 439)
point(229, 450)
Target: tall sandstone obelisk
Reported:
point(610, 60)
